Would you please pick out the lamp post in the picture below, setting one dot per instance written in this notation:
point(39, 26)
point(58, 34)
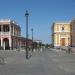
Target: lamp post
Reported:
point(32, 39)
point(26, 14)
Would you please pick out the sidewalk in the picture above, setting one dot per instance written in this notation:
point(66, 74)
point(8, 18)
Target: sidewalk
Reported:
point(58, 50)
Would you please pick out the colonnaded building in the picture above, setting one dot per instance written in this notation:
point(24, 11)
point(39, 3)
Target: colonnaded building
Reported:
point(10, 35)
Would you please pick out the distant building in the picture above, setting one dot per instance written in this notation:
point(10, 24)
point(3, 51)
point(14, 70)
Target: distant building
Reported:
point(10, 35)
point(61, 34)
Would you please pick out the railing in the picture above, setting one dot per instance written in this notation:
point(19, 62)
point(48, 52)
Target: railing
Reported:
point(4, 33)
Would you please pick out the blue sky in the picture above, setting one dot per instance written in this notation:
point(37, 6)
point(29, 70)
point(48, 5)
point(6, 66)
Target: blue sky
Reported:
point(42, 14)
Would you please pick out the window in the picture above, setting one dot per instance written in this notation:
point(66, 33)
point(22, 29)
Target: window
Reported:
point(62, 28)
point(6, 28)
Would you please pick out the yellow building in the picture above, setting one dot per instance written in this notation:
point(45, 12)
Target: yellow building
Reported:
point(61, 34)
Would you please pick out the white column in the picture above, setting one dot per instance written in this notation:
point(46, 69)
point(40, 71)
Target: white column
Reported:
point(10, 36)
point(10, 42)
point(1, 42)
point(13, 30)
point(13, 43)
point(4, 45)
point(9, 29)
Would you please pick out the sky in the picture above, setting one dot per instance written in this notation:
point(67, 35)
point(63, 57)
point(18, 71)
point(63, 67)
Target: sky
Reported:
point(42, 14)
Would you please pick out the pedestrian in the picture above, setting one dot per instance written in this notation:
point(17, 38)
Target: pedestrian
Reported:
point(69, 49)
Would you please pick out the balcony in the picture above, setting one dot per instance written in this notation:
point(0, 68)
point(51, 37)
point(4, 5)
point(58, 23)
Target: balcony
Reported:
point(4, 33)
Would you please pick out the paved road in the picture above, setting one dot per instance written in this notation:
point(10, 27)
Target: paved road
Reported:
point(47, 62)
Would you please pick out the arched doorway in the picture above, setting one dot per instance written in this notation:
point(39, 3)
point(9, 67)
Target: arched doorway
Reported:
point(6, 44)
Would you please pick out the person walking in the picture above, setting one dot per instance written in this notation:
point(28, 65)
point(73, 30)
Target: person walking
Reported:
point(69, 49)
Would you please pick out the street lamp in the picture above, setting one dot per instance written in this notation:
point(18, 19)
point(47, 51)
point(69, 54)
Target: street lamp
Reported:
point(26, 14)
point(32, 39)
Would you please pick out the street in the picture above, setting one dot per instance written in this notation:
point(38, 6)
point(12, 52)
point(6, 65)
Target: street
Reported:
point(45, 62)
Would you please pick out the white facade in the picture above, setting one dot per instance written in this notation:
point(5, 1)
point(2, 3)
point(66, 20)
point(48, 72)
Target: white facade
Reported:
point(9, 32)
point(61, 34)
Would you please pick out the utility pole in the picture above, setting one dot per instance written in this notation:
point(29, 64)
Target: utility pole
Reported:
point(26, 14)
point(32, 39)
